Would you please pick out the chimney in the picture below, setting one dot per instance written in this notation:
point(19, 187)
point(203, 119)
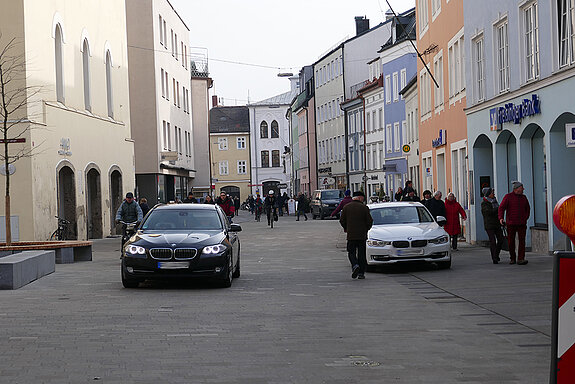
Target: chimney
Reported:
point(361, 25)
point(388, 14)
point(214, 101)
point(294, 83)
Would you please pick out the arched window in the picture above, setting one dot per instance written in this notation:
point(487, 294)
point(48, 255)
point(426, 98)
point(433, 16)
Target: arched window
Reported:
point(86, 72)
point(264, 130)
point(109, 84)
point(59, 69)
point(275, 130)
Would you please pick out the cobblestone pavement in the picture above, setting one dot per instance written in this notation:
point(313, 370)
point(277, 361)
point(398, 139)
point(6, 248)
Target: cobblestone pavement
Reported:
point(294, 316)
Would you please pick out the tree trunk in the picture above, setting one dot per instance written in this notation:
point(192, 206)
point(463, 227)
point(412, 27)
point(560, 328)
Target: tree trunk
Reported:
point(8, 225)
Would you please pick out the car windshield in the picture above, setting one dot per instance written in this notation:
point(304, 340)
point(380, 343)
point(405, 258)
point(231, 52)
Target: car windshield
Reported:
point(331, 195)
point(400, 215)
point(182, 220)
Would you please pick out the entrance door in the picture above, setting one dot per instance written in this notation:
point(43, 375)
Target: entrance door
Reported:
point(67, 200)
point(233, 191)
point(94, 202)
point(116, 200)
point(271, 186)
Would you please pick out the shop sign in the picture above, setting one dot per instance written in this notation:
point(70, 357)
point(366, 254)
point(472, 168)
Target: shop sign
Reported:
point(512, 113)
point(570, 133)
point(325, 181)
point(441, 140)
point(324, 170)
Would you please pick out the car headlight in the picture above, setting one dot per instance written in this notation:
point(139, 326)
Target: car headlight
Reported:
point(439, 240)
point(377, 243)
point(214, 249)
point(135, 250)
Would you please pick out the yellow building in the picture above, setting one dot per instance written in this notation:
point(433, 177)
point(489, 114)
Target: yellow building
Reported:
point(77, 126)
point(230, 151)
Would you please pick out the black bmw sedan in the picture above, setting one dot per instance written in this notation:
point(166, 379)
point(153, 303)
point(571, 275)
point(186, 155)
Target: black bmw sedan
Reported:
point(182, 241)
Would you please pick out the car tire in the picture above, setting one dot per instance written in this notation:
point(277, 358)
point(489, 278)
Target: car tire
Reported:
point(321, 215)
point(372, 268)
point(226, 281)
point(128, 282)
point(236, 273)
point(444, 264)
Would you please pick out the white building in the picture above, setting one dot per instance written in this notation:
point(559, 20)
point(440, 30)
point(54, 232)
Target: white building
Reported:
point(160, 83)
point(270, 137)
point(409, 94)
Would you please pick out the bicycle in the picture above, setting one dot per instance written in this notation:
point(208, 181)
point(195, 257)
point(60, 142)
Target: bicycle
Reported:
point(62, 231)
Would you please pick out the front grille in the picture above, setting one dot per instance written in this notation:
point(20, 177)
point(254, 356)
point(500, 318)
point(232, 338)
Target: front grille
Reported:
point(185, 253)
point(400, 244)
point(161, 253)
point(418, 243)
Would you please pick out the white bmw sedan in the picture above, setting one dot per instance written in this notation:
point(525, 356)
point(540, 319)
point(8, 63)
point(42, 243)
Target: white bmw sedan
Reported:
point(406, 232)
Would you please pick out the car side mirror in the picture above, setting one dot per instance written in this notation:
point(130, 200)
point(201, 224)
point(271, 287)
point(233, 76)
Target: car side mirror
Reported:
point(235, 228)
point(441, 220)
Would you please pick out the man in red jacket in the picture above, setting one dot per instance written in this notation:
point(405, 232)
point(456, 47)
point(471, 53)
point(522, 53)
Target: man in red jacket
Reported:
point(517, 207)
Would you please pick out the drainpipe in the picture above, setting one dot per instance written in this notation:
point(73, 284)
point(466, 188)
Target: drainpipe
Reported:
point(364, 149)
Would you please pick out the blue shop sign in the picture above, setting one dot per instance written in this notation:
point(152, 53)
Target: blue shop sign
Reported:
point(441, 140)
point(514, 113)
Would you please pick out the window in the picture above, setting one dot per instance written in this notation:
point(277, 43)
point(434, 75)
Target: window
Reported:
point(456, 66)
point(176, 46)
point(435, 8)
point(403, 133)
point(167, 86)
point(86, 73)
point(368, 122)
point(168, 137)
point(161, 30)
point(403, 80)
point(59, 67)
point(109, 97)
point(224, 170)
point(182, 52)
point(264, 130)
point(396, 137)
point(566, 9)
point(172, 34)
point(388, 142)
point(163, 84)
point(176, 141)
point(423, 16)
point(178, 93)
point(275, 130)
point(438, 73)
point(502, 56)
point(265, 159)
point(479, 69)
point(387, 89)
point(165, 35)
point(164, 136)
point(242, 168)
point(276, 158)
point(241, 142)
point(531, 42)
point(174, 88)
point(425, 93)
point(223, 143)
point(395, 87)
point(180, 140)
point(380, 117)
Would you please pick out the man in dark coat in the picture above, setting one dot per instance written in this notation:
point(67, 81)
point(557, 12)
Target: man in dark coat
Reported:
point(301, 206)
point(516, 207)
point(489, 210)
point(436, 206)
point(356, 222)
point(191, 199)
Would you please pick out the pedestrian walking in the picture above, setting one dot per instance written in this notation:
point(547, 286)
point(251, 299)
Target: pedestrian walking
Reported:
point(227, 204)
point(190, 199)
point(346, 199)
point(236, 206)
point(301, 206)
point(398, 194)
point(426, 198)
point(452, 212)
point(208, 200)
point(513, 213)
point(489, 210)
point(251, 204)
point(270, 207)
point(408, 188)
point(356, 222)
point(436, 206)
point(411, 196)
point(144, 206)
point(284, 204)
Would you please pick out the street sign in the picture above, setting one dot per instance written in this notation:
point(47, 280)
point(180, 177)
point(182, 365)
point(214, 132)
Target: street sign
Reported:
point(406, 148)
point(12, 141)
point(169, 156)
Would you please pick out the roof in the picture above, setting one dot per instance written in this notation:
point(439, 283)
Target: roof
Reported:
point(405, 29)
point(282, 99)
point(229, 119)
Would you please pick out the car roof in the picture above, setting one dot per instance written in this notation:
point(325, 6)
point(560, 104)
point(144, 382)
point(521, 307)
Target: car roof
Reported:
point(395, 204)
point(186, 206)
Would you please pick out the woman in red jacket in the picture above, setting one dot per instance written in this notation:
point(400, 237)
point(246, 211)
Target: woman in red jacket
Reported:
point(452, 211)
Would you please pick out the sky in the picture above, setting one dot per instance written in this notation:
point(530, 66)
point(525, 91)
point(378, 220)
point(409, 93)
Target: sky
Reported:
point(272, 36)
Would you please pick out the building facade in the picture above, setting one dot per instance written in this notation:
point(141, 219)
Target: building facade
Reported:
point(230, 151)
point(76, 123)
point(409, 94)
point(160, 100)
point(520, 115)
point(270, 137)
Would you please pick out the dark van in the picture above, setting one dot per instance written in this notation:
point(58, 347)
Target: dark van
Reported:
point(324, 201)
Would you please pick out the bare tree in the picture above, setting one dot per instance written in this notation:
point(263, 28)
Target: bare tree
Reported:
point(15, 95)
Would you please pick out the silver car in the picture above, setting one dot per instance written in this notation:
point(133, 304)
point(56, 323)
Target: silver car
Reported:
point(406, 232)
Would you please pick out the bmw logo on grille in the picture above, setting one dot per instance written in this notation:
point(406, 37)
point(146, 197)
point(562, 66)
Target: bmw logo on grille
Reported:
point(173, 245)
point(409, 238)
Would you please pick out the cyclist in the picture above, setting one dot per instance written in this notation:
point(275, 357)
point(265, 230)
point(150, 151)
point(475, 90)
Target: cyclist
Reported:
point(270, 206)
point(258, 206)
point(129, 212)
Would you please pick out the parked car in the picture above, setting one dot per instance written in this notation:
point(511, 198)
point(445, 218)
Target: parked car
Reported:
point(324, 201)
point(406, 232)
point(182, 241)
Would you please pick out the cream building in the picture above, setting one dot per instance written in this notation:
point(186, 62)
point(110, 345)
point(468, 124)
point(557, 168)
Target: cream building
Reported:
point(78, 125)
point(230, 150)
point(160, 100)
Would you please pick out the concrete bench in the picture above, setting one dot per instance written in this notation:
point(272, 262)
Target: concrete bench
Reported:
point(22, 268)
point(66, 251)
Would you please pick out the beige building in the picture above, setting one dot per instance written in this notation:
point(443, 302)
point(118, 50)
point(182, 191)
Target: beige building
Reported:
point(160, 100)
point(230, 150)
point(78, 126)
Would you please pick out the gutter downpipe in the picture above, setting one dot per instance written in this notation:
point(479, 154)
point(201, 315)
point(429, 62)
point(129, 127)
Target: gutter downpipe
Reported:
point(346, 137)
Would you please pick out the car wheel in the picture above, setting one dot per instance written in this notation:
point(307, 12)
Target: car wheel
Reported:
point(128, 282)
point(372, 268)
point(321, 215)
point(444, 264)
point(236, 273)
point(226, 281)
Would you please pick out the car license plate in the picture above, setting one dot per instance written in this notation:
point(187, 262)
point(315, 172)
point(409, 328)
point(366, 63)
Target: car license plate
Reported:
point(409, 252)
point(173, 264)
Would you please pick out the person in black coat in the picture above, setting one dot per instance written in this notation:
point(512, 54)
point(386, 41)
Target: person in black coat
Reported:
point(144, 206)
point(436, 206)
point(426, 198)
point(489, 210)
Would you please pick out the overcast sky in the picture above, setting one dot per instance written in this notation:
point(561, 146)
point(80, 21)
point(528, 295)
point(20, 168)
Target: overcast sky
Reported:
point(284, 35)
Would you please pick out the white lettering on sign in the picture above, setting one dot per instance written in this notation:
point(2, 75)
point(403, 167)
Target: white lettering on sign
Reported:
point(566, 327)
